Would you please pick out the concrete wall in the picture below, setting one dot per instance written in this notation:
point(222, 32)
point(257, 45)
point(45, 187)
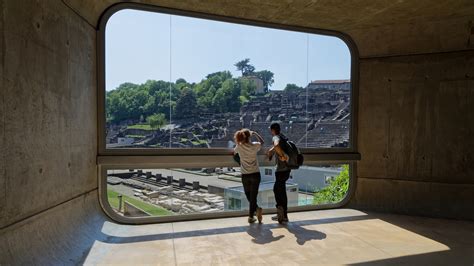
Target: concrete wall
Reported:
point(416, 116)
point(415, 120)
point(48, 108)
point(416, 124)
point(62, 235)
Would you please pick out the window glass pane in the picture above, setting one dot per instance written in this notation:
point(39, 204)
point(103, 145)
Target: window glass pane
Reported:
point(163, 192)
point(181, 82)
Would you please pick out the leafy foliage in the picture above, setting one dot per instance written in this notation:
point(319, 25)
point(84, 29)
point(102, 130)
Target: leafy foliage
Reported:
point(186, 105)
point(156, 121)
point(140, 126)
point(245, 67)
point(336, 190)
point(292, 87)
point(131, 101)
point(158, 100)
point(267, 77)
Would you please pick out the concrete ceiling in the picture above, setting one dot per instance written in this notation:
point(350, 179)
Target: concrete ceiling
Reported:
point(380, 28)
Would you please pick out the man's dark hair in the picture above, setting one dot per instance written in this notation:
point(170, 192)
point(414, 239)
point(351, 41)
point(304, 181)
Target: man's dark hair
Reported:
point(276, 127)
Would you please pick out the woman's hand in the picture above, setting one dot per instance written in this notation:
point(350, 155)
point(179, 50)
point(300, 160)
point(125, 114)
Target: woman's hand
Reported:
point(284, 158)
point(270, 153)
point(258, 136)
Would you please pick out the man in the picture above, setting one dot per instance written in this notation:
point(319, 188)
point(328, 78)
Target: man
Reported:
point(282, 172)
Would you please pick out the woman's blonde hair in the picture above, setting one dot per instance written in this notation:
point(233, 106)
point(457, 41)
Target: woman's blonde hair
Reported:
point(242, 136)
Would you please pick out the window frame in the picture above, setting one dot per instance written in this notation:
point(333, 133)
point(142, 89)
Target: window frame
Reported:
point(125, 158)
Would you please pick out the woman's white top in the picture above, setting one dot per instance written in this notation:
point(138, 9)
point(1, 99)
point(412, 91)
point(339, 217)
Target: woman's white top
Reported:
point(248, 157)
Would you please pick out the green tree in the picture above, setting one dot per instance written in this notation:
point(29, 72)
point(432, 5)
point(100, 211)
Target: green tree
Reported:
point(126, 102)
point(223, 99)
point(336, 190)
point(181, 80)
point(217, 92)
point(292, 87)
point(206, 90)
point(186, 105)
point(267, 77)
point(156, 121)
point(246, 87)
point(245, 67)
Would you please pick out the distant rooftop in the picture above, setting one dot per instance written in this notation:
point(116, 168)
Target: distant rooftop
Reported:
point(330, 81)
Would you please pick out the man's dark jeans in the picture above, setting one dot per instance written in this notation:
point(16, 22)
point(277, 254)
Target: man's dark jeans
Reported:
point(280, 190)
point(251, 183)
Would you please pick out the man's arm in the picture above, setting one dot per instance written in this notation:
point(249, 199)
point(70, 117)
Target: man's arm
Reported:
point(278, 150)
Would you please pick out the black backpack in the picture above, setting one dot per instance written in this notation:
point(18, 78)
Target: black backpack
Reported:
point(296, 159)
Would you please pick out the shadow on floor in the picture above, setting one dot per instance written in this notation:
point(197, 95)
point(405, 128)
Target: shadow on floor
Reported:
point(262, 234)
point(302, 234)
point(457, 235)
point(294, 227)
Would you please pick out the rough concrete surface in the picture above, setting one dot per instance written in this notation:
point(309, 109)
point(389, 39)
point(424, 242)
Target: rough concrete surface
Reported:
point(410, 197)
point(3, 181)
point(77, 232)
point(60, 236)
point(416, 119)
point(50, 108)
point(378, 27)
point(415, 122)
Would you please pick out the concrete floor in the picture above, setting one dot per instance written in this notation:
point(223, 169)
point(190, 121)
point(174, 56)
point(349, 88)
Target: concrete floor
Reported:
point(341, 236)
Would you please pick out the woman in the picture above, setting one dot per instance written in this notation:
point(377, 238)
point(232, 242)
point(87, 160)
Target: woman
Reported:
point(249, 168)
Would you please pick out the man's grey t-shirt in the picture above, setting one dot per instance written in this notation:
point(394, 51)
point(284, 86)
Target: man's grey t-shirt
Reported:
point(248, 157)
point(280, 165)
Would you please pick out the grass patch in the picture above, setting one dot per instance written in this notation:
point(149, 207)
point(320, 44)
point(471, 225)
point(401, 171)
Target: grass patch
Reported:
point(199, 142)
point(135, 136)
point(141, 126)
point(149, 208)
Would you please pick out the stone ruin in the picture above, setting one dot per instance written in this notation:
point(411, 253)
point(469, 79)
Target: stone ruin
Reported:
point(313, 118)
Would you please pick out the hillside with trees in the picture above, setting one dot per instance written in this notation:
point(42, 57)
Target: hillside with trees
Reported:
point(153, 100)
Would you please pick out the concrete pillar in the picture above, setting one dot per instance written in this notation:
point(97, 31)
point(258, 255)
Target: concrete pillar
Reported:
point(169, 180)
point(148, 175)
point(195, 185)
point(182, 182)
point(158, 177)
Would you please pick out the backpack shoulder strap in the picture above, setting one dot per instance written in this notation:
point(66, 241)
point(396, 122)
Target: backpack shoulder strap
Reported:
point(284, 143)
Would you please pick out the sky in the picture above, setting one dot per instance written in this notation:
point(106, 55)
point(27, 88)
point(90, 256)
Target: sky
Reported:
point(143, 45)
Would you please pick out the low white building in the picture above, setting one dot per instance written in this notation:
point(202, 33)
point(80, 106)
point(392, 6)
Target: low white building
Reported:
point(307, 178)
point(235, 199)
